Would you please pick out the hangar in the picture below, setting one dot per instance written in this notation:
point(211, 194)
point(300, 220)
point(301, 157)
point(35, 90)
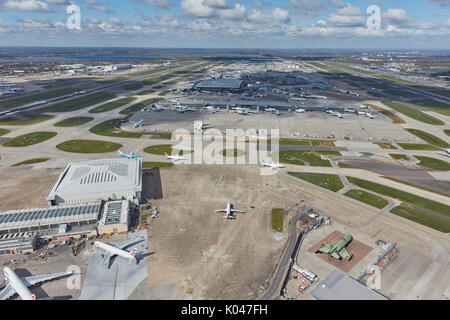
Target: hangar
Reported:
point(94, 181)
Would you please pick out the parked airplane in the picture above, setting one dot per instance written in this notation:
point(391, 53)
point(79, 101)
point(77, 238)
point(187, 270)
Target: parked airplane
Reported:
point(337, 250)
point(300, 110)
point(273, 110)
point(138, 124)
point(21, 285)
point(129, 155)
point(272, 165)
point(157, 107)
point(201, 126)
point(447, 152)
point(183, 109)
point(229, 211)
point(174, 158)
point(113, 251)
point(371, 116)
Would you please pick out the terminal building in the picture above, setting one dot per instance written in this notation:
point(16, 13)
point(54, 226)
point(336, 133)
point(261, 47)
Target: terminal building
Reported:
point(221, 85)
point(93, 181)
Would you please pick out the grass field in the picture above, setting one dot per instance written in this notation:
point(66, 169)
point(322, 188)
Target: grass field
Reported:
point(385, 145)
point(30, 139)
point(29, 118)
point(417, 186)
point(433, 163)
point(79, 103)
point(447, 132)
point(132, 86)
point(232, 153)
point(396, 156)
point(418, 146)
point(113, 105)
point(31, 161)
point(422, 218)
point(327, 181)
point(346, 166)
point(28, 99)
point(161, 149)
point(277, 219)
point(417, 201)
point(73, 122)
point(164, 93)
point(154, 80)
point(151, 165)
point(139, 106)
point(368, 198)
point(413, 113)
point(4, 131)
point(427, 137)
point(314, 159)
point(433, 105)
point(389, 114)
point(145, 92)
point(107, 129)
point(88, 146)
point(311, 143)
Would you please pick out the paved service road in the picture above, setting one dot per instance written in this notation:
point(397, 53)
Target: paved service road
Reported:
point(285, 260)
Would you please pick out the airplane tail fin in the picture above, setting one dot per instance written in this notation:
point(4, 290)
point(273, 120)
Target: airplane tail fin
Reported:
point(133, 253)
point(33, 297)
point(166, 155)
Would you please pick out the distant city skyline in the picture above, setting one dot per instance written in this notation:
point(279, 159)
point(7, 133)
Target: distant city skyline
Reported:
point(284, 24)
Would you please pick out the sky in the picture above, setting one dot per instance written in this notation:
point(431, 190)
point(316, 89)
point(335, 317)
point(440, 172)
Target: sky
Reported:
point(277, 24)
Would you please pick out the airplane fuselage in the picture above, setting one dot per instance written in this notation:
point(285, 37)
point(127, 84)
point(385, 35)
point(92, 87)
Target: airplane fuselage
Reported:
point(18, 285)
point(114, 250)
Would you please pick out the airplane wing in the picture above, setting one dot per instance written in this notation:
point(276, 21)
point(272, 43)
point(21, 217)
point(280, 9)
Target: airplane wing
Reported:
point(29, 281)
point(221, 210)
point(7, 292)
point(336, 256)
point(238, 211)
point(325, 249)
point(106, 261)
point(345, 254)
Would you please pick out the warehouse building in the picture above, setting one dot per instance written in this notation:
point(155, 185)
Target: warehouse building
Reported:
point(94, 181)
point(68, 220)
point(221, 85)
point(21, 242)
point(339, 286)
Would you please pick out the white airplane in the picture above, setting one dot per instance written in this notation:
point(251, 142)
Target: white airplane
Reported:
point(211, 108)
point(362, 113)
point(341, 116)
point(129, 155)
point(138, 124)
point(21, 285)
point(201, 126)
point(270, 110)
point(174, 158)
point(157, 107)
point(113, 251)
point(272, 165)
point(447, 152)
point(300, 110)
point(183, 109)
point(371, 116)
point(229, 211)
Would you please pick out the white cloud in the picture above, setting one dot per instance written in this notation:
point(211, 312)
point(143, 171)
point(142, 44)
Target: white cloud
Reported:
point(26, 5)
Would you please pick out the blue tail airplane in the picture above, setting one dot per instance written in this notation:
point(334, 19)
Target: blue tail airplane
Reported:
point(129, 156)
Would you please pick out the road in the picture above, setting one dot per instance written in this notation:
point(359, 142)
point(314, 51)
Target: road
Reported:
point(40, 104)
point(285, 260)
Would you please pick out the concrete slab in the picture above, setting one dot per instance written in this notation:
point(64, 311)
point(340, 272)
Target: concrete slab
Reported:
point(118, 282)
